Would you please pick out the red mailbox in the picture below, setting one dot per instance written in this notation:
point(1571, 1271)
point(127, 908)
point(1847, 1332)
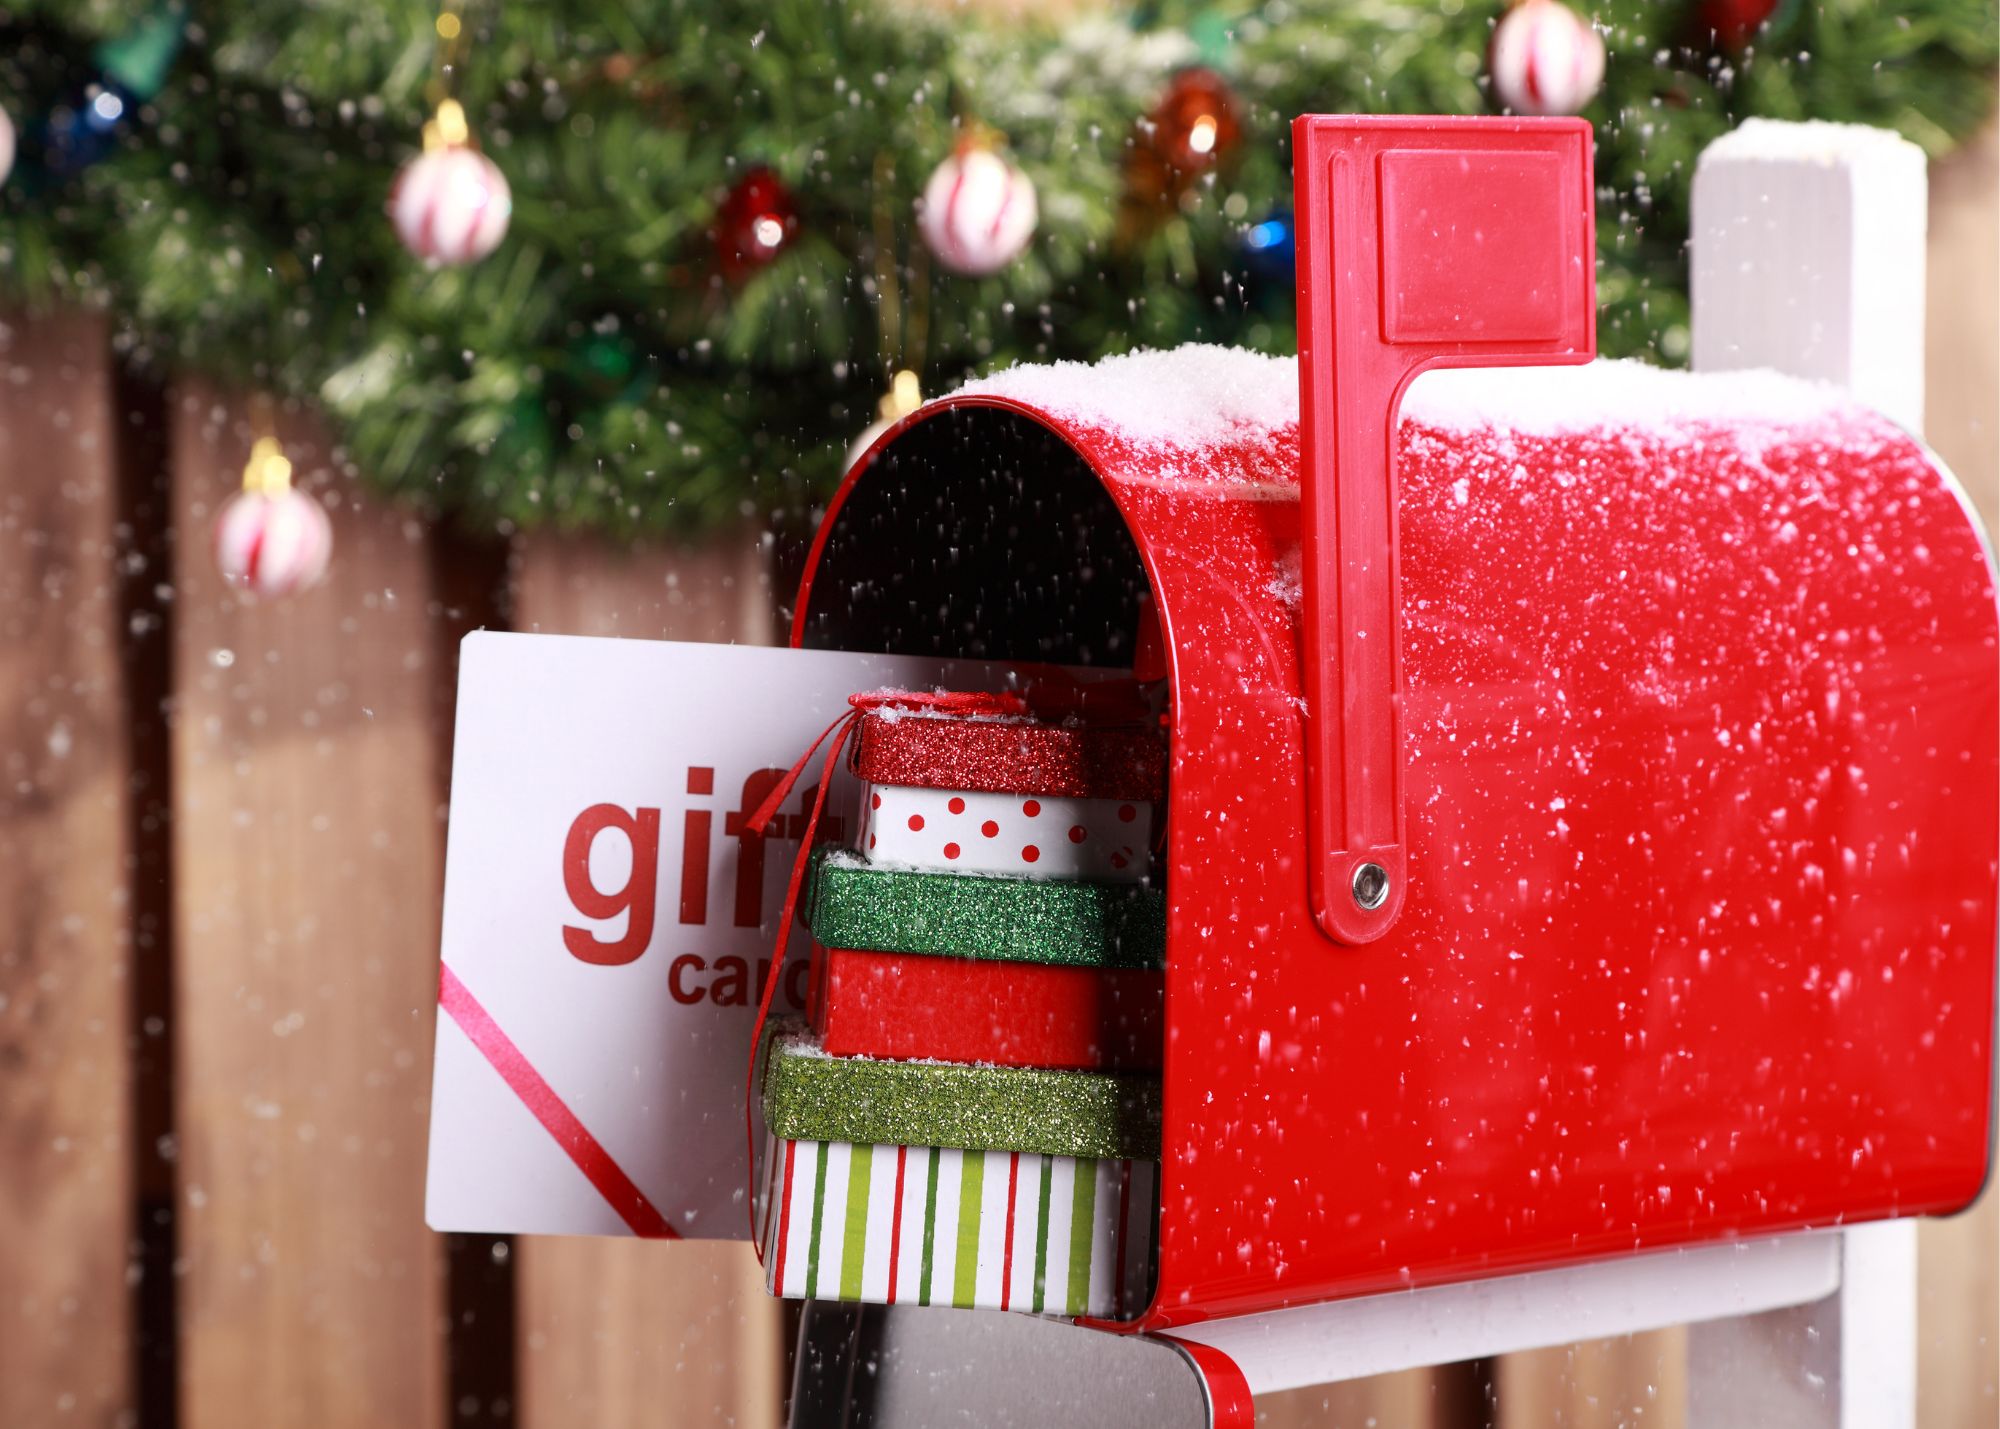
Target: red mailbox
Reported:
point(1579, 842)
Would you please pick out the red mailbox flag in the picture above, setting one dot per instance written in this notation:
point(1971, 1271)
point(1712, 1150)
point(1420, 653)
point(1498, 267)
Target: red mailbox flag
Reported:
point(1422, 243)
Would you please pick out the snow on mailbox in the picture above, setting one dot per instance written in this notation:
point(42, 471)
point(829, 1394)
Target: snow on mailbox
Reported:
point(1580, 817)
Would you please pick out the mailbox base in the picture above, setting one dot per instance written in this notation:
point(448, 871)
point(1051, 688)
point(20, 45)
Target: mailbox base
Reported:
point(1809, 1331)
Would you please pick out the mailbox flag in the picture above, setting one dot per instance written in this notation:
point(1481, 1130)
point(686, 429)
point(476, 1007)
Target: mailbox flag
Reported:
point(1422, 243)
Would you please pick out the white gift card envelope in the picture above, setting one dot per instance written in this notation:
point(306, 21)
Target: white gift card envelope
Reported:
point(606, 916)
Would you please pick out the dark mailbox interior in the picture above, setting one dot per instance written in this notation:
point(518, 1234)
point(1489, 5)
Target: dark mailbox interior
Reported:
point(979, 533)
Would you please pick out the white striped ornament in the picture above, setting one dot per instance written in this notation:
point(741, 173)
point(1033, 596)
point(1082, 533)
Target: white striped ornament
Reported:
point(1545, 59)
point(978, 212)
point(451, 205)
point(273, 543)
point(992, 1230)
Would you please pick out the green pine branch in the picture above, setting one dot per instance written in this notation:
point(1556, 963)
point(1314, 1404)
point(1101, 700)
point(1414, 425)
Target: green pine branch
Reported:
point(598, 372)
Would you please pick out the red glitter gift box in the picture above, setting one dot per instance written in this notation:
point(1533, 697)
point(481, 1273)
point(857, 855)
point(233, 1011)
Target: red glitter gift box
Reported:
point(1007, 795)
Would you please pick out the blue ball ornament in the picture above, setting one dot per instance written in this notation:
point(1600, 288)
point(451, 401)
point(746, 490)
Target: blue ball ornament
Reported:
point(1270, 251)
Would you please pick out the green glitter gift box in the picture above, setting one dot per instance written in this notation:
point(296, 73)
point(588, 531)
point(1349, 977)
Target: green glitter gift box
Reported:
point(810, 1096)
point(853, 905)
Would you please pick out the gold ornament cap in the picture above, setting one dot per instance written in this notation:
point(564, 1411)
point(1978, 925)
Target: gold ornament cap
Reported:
point(903, 397)
point(448, 130)
point(269, 470)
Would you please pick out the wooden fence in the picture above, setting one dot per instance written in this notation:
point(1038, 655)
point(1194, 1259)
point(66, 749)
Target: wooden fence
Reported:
point(221, 849)
point(223, 837)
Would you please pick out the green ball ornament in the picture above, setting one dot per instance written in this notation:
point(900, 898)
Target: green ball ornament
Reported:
point(604, 365)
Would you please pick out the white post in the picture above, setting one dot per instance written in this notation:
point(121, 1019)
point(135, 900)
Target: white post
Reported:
point(1808, 257)
point(1846, 1362)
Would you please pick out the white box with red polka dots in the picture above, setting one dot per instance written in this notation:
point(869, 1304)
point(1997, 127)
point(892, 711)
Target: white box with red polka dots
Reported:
point(1039, 836)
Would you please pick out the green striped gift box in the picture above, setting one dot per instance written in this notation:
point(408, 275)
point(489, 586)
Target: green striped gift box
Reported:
point(999, 1230)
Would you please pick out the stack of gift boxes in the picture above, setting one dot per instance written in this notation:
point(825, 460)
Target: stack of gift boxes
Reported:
point(971, 1116)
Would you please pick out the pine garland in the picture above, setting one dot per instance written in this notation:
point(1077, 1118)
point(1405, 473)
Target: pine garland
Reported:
point(596, 372)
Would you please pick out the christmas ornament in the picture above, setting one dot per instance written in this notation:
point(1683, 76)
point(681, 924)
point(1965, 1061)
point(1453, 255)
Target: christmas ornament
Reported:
point(451, 203)
point(1270, 255)
point(82, 131)
point(1734, 22)
point(756, 222)
point(1194, 127)
point(608, 366)
point(126, 70)
point(526, 442)
point(136, 61)
point(903, 397)
point(272, 539)
point(978, 210)
point(1545, 59)
point(1190, 133)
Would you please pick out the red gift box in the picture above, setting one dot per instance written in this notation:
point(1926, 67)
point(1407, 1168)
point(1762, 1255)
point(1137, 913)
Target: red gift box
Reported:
point(1010, 756)
point(1010, 1014)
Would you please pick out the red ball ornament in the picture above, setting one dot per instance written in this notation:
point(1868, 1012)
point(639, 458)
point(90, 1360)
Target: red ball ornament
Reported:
point(1195, 127)
point(1734, 23)
point(756, 222)
point(1191, 132)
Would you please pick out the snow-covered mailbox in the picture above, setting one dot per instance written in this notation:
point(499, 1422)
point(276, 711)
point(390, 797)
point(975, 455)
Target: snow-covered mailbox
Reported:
point(1582, 811)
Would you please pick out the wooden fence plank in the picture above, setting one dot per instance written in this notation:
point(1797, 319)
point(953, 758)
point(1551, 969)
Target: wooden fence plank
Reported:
point(720, 593)
point(629, 1334)
point(1958, 1260)
point(619, 1334)
point(66, 1196)
point(1408, 1399)
point(309, 854)
point(1958, 1318)
point(1629, 1382)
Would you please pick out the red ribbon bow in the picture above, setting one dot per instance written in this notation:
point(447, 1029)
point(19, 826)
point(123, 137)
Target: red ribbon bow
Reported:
point(941, 702)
